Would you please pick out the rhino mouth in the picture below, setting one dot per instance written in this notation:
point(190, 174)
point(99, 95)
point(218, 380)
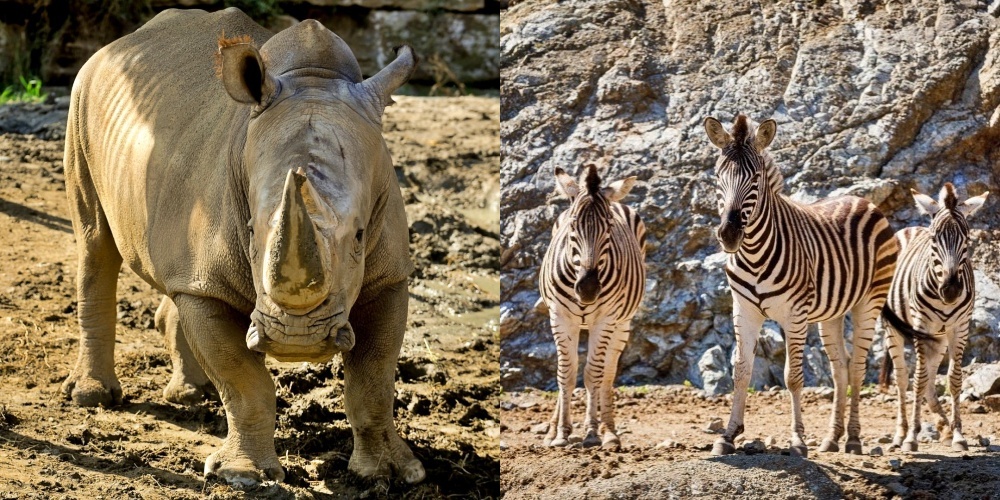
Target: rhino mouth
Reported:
point(299, 338)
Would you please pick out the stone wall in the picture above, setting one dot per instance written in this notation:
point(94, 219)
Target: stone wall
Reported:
point(872, 98)
point(458, 40)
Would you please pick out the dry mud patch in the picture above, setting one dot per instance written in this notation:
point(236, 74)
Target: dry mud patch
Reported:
point(666, 452)
point(447, 157)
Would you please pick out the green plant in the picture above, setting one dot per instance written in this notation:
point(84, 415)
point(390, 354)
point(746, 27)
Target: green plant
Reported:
point(30, 91)
point(687, 383)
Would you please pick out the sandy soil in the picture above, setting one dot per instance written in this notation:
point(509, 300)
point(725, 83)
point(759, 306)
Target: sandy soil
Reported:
point(447, 155)
point(666, 452)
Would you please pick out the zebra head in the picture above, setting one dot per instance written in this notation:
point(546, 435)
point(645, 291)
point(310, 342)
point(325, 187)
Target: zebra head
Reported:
point(739, 171)
point(589, 231)
point(951, 233)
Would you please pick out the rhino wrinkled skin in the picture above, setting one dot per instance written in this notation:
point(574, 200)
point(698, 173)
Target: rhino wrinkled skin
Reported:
point(244, 175)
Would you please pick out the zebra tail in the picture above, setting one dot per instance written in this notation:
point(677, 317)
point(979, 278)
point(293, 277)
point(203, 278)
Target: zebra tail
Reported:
point(885, 373)
point(907, 331)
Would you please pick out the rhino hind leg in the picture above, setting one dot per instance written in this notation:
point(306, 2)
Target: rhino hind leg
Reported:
point(215, 333)
point(369, 376)
point(188, 384)
point(93, 381)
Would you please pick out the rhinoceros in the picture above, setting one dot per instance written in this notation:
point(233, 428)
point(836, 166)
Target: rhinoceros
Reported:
point(244, 175)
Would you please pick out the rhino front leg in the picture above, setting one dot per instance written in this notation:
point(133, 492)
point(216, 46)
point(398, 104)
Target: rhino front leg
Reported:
point(188, 383)
point(93, 381)
point(369, 378)
point(215, 333)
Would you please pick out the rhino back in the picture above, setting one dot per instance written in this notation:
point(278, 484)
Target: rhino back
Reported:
point(159, 141)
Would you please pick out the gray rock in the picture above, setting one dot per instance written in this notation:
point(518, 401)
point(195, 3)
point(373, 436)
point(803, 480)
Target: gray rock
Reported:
point(897, 488)
point(885, 439)
point(625, 84)
point(755, 446)
point(541, 428)
point(715, 372)
point(928, 434)
point(875, 452)
point(895, 464)
point(984, 441)
point(714, 425)
point(981, 380)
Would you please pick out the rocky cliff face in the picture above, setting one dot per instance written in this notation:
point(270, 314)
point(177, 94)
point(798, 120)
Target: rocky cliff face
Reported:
point(872, 98)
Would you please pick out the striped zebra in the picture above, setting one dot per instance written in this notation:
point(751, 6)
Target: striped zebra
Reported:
point(930, 302)
point(797, 264)
point(592, 278)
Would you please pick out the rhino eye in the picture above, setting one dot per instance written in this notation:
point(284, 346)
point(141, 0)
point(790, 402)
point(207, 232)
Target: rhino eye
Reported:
point(359, 235)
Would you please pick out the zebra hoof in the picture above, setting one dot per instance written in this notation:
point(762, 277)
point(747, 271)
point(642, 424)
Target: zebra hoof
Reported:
point(591, 440)
point(611, 443)
point(559, 443)
point(853, 447)
point(799, 450)
point(723, 447)
point(828, 446)
point(960, 445)
point(909, 446)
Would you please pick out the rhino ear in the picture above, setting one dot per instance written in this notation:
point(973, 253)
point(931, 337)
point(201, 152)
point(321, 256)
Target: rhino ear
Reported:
point(385, 82)
point(242, 71)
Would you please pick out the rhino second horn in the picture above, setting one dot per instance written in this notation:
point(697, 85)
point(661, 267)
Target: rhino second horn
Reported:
point(294, 273)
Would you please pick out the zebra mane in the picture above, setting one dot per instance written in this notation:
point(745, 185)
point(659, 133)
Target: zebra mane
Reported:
point(593, 181)
point(948, 198)
point(741, 129)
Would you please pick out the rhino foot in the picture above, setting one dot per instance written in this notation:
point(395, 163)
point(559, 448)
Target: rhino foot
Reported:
point(183, 393)
point(93, 391)
point(240, 469)
point(384, 453)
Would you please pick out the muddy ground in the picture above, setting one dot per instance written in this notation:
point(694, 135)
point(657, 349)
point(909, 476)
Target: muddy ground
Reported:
point(447, 156)
point(666, 451)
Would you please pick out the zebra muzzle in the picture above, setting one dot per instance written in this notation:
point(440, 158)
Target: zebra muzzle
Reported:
point(730, 233)
point(950, 290)
point(588, 287)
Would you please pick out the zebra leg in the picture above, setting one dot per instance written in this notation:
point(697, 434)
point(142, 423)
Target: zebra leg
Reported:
point(747, 322)
point(863, 316)
point(920, 389)
point(895, 349)
point(832, 334)
point(956, 348)
point(935, 354)
point(567, 337)
point(618, 337)
point(795, 340)
point(593, 374)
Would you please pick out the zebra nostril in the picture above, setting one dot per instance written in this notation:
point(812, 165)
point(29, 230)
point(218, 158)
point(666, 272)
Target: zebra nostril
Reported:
point(588, 287)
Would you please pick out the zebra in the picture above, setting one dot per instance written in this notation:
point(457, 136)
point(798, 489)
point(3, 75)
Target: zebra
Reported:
point(930, 301)
point(592, 277)
point(796, 264)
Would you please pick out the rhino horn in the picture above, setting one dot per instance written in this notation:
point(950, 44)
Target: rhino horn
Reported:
point(295, 276)
point(385, 82)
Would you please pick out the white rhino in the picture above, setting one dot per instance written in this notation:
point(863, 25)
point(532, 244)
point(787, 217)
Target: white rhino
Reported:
point(254, 189)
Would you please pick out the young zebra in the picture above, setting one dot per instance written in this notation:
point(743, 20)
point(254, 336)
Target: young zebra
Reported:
point(592, 277)
point(930, 302)
point(797, 264)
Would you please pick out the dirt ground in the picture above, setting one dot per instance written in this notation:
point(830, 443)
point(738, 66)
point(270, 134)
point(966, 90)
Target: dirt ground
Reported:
point(666, 451)
point(447, 156)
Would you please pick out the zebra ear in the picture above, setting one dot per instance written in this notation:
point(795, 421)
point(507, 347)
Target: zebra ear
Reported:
point(565, 184)
point(765, 134)
point(717, 133)
point(925, 204)
point(619, 189)
point(972, 205)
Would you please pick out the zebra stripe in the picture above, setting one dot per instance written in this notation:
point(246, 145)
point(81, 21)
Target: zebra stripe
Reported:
point(797, 264)
point(930, 302)
point(592, 277)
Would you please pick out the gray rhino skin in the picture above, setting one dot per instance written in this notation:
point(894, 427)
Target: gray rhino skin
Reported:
point(254, 189)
